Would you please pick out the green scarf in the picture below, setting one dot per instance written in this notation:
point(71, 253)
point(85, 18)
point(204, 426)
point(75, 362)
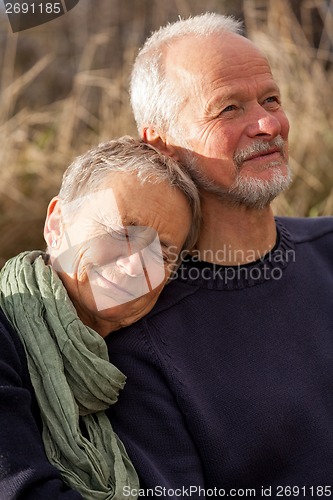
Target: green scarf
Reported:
point(72, 377)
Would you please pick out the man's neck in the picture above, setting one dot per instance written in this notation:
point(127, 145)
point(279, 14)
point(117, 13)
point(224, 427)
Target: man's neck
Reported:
point(234, 235)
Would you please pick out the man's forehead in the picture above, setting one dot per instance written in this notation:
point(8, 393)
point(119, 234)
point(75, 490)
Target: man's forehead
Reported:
point(191, 54)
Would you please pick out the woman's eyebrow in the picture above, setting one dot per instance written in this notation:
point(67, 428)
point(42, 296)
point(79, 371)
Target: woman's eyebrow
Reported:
point(167, 244)
point(134, 222)
point(131, 221)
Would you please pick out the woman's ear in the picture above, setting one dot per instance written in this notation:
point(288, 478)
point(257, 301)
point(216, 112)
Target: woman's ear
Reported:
point(153, 137)
point(53, 228)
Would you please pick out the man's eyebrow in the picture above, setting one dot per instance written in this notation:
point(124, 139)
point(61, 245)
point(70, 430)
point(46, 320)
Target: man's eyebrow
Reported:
point(217, 102)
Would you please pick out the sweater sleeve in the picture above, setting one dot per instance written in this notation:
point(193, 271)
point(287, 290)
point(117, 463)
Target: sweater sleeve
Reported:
point(24, 469)
point(149, 420)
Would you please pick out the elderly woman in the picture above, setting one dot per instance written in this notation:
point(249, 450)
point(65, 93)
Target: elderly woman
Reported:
point(114, 235)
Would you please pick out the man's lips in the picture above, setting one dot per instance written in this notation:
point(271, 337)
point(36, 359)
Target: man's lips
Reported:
point(263, 154)
point(261, 151)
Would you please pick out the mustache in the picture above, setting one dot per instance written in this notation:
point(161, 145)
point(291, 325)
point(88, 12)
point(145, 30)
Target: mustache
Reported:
point(258, 147)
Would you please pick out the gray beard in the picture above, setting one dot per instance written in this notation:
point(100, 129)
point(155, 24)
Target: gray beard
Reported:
point(258, 193)
point(246, 192)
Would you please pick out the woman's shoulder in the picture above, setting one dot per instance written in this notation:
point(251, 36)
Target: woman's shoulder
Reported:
point(7, 332)
point(14, 372)
point(12, 352)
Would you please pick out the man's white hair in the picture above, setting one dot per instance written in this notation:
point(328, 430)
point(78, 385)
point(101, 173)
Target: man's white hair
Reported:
point(155, 100)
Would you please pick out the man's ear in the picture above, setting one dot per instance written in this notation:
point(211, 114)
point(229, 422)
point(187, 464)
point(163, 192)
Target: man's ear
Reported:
point(53, 228)
point(153, 137)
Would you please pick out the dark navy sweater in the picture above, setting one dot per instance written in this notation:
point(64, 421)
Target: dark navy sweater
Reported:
point(230, 377)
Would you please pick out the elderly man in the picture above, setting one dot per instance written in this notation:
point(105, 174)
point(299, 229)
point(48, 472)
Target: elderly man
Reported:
point(230, 376)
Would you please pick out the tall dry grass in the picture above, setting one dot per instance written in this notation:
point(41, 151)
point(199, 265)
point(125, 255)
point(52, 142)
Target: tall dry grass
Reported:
point(64, 88)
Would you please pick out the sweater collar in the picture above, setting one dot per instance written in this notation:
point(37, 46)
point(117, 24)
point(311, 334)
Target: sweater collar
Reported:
point(213, 276)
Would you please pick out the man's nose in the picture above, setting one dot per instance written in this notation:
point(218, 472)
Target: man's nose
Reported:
point(131, 264)
point(263, 123)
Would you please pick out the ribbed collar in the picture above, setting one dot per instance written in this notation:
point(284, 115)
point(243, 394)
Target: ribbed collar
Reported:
point(270, 267)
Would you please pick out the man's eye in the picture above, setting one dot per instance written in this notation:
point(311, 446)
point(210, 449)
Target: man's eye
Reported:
point(231, 107)
point(272, 99)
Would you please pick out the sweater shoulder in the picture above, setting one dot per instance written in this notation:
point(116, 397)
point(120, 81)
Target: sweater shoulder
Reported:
point(303, 229)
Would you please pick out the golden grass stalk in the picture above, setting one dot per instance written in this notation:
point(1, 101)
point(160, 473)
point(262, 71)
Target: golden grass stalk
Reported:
point(39, 140)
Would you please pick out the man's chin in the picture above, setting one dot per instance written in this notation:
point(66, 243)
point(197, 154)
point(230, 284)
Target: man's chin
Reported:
point(254, 192)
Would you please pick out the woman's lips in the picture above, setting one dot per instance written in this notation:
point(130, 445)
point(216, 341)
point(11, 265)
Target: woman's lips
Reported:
point(103, 282)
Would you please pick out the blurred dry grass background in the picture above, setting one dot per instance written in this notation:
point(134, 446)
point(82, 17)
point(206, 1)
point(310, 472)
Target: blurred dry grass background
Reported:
point(64, 89)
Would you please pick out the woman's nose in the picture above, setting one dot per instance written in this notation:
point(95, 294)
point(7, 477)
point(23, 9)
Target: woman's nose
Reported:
point(131, 264)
